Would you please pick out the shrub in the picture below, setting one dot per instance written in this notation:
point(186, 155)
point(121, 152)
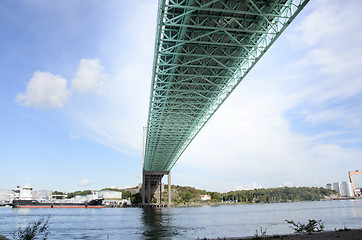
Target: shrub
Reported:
point(310, 227)
point(262, 233)
point(35, 230)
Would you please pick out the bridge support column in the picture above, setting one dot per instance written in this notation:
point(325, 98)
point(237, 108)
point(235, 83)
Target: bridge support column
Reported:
point(143, 192)
point(159, 195)
point(148, 192)
point(169, 189)
point(152, 184)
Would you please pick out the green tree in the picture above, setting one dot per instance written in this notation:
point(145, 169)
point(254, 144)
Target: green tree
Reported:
point(187, 197)
point(58, 193)
point(311, 226)
point(79, 193)
point(113, 189)
point(136, 198)
point(216, 196)
point(126, 194)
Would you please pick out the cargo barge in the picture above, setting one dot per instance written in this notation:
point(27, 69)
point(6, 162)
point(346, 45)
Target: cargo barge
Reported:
point(96, 203)
point(24, 199)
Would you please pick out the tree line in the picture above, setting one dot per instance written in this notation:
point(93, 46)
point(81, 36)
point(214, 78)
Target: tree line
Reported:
point(262, 195)
point(281, 194)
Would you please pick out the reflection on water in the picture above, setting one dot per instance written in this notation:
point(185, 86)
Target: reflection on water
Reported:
point(157, 223)
point(356, 209)
point(22, 211)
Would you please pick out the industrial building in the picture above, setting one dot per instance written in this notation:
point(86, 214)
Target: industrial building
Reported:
point(6, 196)
point(345, 189)
point(113, 198)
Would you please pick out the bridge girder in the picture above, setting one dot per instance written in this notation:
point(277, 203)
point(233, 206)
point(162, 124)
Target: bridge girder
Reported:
point(203, 50)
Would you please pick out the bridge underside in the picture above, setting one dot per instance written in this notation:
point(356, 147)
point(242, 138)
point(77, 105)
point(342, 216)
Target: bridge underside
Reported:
point(203, 50)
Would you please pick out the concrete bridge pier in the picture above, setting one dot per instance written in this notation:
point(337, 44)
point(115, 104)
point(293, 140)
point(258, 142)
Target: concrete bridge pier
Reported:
point(152, 187)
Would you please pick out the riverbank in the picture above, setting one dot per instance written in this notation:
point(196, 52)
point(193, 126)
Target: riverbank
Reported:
point(350, 234)
point(213, 203)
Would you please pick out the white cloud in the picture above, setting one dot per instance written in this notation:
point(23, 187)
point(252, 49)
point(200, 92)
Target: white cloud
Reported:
point(90, 76)
point(116, 116)
point(335, 52)
point(116, 119)
point(312, 31)
point(249, 140)
point(44, 90)
point(325, 115)
point(85, 182)
point(287, 184)
point(74, 136)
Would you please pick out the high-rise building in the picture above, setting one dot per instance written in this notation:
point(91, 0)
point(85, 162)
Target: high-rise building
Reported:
point(336, 186)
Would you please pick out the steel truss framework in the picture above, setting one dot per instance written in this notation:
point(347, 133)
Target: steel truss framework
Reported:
point(203, 50)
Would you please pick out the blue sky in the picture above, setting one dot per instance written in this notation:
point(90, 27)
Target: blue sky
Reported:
point(74, 91)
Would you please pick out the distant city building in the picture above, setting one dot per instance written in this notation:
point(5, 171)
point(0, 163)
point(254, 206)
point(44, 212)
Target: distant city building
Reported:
point(344, 189)
point(113, 198)
point(79, 198)
point(336, 187)
point(110, 195)
point(42, 195)
point(205, 197)
point(6, 196)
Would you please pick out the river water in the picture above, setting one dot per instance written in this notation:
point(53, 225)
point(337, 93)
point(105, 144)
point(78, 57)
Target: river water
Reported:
point(183, 223)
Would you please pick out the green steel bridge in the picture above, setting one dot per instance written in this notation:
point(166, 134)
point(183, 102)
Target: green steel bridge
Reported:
point(203, 50)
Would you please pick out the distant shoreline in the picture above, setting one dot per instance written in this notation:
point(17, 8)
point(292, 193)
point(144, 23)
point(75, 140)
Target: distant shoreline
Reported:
point(200, 204)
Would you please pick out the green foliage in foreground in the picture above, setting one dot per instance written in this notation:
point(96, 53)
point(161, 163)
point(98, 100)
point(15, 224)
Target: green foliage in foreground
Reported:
point(311, 227)
point(35, 230)
point(262, 233)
